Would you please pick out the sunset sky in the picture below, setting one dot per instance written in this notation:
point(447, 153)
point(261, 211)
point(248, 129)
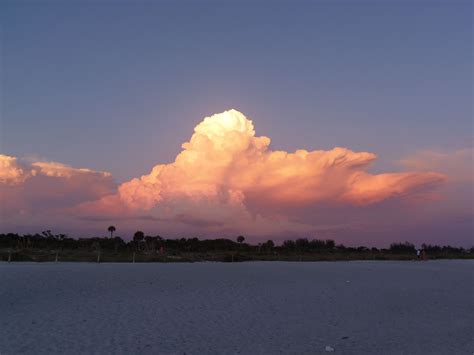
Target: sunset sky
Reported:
point(322, 119)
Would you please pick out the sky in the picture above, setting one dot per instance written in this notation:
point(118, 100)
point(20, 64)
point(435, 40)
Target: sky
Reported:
point(116, 88)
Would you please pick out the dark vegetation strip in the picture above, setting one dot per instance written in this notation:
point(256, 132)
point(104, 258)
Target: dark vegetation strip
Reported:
point(47, 246)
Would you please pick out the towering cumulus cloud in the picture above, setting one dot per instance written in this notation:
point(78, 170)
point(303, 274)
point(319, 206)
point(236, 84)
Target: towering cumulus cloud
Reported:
point(227, 173)
point(225, 179)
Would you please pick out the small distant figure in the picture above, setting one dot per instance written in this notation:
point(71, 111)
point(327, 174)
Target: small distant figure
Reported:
point(423, 255)
point(418, 254)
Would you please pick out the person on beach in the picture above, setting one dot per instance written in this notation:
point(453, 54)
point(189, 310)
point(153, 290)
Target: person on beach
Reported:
point(418, 254)
point(423, 255)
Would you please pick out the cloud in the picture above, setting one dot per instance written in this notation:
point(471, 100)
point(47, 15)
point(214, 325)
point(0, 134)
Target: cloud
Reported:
point(226, 180)
point(225, 162)
point(27, 189)
point(225, 173)
point(457, 165)
point(10, 171)
point(54, 169)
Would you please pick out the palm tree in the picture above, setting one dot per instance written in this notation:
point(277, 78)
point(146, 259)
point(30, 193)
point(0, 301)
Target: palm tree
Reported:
point(111, 229)
point(138, 238)
point(240, 240)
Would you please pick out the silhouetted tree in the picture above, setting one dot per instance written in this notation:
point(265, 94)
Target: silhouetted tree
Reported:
point(138, 238)
point(317, 244)
point(118, 242)
point(289, 244)
point(150, 243)
point(240, 239)
point(111, 229)
point(330, 244)
point(269, 244)
point(402, 248)
point(302, 244)
point(341, 247)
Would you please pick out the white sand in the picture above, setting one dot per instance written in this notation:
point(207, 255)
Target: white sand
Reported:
point(246, 308)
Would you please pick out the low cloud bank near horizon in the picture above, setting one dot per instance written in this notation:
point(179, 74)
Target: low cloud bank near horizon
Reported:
point(47, 188)
point(225, 181)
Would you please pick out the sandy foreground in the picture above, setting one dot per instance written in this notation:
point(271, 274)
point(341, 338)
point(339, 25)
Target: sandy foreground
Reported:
point(248, 308)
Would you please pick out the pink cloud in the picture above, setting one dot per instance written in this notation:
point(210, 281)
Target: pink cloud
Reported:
point(225, 168)
point(27, 189)
point(226, 179)
point(10, 171)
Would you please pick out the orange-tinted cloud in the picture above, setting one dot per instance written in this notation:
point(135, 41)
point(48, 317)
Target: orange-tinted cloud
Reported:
point(27, 189)
point(225, 161)
point(226, 179)
point(225, 167)
point(10, 171)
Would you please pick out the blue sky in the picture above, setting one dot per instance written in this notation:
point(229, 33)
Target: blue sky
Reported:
point(99, 83)
point(118, 86)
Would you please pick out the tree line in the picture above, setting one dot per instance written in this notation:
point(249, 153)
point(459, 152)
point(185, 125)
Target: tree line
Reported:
point(141, 243)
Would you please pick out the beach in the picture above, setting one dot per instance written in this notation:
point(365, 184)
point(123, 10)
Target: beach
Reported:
point(366, 307)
